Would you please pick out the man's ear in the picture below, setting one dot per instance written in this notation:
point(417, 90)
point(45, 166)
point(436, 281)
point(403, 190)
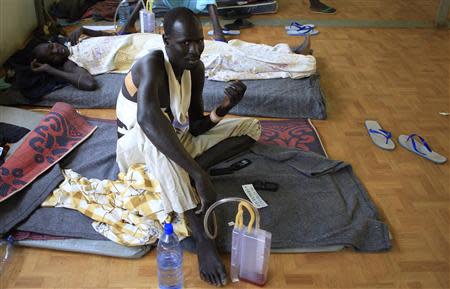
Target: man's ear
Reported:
point(165, 39)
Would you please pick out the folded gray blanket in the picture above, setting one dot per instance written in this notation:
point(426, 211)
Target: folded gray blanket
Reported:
point(286, 98)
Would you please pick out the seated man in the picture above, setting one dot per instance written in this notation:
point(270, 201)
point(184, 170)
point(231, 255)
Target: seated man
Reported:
point(161, 123)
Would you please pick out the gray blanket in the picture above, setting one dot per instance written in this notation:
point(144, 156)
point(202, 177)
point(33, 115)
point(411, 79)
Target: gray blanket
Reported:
point(319, 203)
point(287, 98)
point(87, 159)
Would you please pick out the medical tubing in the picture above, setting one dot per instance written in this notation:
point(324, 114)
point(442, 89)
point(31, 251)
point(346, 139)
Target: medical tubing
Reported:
point(220, 202)
point(117, 11)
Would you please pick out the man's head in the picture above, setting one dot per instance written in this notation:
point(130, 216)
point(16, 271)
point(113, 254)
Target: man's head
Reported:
point(51, 53)
point(183, 37)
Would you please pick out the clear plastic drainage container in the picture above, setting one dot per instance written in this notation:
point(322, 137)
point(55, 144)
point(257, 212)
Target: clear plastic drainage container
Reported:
point(250, 247)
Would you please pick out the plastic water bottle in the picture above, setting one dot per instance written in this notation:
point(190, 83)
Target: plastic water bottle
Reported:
point(124, 13)
point(6, 250)
point(170, 260)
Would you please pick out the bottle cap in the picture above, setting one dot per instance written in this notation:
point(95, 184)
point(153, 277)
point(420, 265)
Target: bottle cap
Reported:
point(168, 228)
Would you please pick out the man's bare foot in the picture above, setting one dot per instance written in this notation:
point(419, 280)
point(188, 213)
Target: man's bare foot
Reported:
point(211, 267)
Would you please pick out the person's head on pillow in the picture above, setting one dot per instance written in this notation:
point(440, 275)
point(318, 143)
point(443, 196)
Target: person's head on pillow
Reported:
point(51, 53)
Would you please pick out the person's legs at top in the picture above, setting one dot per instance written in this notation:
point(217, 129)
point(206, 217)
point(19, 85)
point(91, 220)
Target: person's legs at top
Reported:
point(319, 7)
point(217, 29)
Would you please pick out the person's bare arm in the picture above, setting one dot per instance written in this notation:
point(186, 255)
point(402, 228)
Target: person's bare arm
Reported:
point(200, 123)
point(159, 130)
point(75, 35)
point(70, 72)
point(217, 29)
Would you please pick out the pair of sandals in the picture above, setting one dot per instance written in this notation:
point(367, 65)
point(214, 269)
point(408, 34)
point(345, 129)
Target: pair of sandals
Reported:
point(413, 142)
point(297, 29)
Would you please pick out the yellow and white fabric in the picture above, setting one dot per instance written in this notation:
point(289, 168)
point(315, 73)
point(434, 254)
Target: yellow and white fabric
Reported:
point(128, 211)
point(236, 59)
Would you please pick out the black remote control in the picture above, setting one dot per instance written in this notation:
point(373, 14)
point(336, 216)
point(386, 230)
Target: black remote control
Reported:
point(220, 171)
point(240, 164)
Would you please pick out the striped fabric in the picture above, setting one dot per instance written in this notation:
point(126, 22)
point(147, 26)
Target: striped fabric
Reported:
point(128, 211)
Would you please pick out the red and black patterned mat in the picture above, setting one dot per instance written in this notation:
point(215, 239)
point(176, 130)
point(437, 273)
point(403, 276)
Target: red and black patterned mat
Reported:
point(292, 133)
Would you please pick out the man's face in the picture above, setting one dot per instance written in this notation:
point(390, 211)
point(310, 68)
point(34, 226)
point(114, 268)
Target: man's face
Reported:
point(54, 54)
point(185, 44)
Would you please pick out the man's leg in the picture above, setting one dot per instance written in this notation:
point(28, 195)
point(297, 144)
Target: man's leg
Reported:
point(211, 267)
point(179, 196)
point(225, 129)
point(224, 150)
point(218, 34)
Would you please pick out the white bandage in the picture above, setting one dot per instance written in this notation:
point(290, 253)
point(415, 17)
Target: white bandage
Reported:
point(214, 117)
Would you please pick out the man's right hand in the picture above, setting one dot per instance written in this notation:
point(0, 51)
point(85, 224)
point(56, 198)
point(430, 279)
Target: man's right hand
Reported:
point(206, 192)
point(39, 67)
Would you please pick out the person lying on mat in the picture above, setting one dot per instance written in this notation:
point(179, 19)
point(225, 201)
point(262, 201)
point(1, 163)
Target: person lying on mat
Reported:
point(161, 123)
point(52, 58)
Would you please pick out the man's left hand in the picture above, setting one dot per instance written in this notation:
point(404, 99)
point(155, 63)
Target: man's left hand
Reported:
point(234, 92)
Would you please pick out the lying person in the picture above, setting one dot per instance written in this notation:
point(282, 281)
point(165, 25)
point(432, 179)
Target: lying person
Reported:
point(236, 59)
point(53, 58)
point(53, 69)
point(161, 123)
point(55, 66)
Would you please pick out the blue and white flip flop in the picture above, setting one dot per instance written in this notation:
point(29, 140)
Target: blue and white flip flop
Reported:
point(226, 32)
point(379, 136)
point(303, 32)
point(298, 26)
point(418, 145)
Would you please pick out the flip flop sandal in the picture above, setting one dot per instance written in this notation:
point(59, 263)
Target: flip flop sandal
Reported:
point(420, 147)
point(297, 26)
point(303, 32)
point(238, 24)
point(225, 32)
point(379, 136)
point(328, 10)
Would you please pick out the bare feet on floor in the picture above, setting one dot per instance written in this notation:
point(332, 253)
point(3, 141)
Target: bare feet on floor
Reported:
point(211, 267)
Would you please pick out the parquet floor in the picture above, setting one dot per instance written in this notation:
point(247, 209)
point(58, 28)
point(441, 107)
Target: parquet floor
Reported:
point(399, 77)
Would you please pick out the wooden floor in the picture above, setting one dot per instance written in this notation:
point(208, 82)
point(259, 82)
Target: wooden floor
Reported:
point(399, 77)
